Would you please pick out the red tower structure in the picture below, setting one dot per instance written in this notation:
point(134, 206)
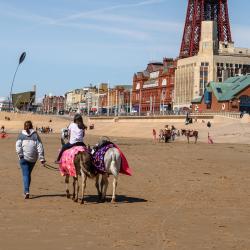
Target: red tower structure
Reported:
point(204, 10)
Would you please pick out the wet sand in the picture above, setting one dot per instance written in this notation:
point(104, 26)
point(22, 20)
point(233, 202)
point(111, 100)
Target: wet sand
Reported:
point(180, 197)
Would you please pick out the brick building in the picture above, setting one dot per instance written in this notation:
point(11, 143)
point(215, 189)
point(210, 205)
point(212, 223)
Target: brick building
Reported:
point(118, 99)
point(53, 104)
point(233, 95)
point(153, 88)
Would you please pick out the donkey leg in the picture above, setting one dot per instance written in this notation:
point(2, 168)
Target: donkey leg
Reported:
point(106, 183)
point(102, 185)
point(99, 193)
point(115, 180)
point(67, 186)
point(84, 180)
point(74, 188)
point(77, 190)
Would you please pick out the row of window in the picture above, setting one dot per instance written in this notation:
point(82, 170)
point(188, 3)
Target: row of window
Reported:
point(230, 65)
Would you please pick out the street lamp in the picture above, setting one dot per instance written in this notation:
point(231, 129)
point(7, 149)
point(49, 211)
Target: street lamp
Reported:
point(21, 59)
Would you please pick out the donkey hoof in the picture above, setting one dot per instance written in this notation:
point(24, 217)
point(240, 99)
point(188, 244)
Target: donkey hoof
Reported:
point(82, 202)
point(113, 201)
point(68, 196)
point(76, 200)
point(102, 200)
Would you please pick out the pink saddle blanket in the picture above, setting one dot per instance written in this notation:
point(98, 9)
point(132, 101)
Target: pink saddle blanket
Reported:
point(66, 165)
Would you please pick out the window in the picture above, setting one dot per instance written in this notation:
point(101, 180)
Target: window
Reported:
point(203, 78)
point(219, 90)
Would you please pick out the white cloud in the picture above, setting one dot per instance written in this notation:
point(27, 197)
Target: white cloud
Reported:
point(110, 8)
point(142, 23)
point(136, 28)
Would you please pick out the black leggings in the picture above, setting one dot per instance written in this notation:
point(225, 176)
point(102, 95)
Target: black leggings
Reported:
point(68, 146)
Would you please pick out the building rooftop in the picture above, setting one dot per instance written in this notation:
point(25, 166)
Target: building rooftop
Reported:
point(230, 88)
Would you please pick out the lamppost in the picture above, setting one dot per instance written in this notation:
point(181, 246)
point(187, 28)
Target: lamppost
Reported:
point(21, 59)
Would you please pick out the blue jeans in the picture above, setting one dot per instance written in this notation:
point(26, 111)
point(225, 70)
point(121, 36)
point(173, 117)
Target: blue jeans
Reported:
point(27, 168)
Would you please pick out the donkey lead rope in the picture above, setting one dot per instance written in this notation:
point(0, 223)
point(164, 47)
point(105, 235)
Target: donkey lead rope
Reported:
point(50, 167)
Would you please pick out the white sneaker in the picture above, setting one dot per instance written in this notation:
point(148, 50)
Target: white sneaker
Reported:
point(26, 196)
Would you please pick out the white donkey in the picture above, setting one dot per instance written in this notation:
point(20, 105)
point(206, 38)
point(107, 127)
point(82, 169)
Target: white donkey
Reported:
point(112, 162)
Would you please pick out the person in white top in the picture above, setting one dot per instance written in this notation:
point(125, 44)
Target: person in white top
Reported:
point(76, 135)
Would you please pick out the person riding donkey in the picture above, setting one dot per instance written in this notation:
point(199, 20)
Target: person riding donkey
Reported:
point(76, 134)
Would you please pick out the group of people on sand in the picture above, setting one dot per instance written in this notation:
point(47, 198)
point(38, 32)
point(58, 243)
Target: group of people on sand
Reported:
point(44, 130)
point(166, 134)
point(30, 149)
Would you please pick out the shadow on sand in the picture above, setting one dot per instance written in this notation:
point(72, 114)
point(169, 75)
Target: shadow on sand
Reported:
point(119, 199)
point(46, 195)
point(94, 198)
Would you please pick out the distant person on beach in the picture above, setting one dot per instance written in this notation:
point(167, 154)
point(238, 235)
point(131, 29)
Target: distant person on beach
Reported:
point(154, 135)
point(209, 124)
point(76, 134)
point(2, 130)
point(29, 148)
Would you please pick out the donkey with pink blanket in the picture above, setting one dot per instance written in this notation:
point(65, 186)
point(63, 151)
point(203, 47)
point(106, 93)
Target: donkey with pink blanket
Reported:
point(77, 161)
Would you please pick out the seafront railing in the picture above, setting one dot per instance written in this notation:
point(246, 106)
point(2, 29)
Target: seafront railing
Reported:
point(233, 115)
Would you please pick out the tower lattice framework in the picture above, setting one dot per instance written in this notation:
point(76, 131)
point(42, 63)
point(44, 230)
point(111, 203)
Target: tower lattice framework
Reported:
point(204, 10)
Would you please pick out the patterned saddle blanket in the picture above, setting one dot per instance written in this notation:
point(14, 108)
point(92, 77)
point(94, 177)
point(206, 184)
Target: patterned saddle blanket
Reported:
point(66, 165)
point(98, 159)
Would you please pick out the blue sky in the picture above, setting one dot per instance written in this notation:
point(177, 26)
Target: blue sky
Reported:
point(72, 43)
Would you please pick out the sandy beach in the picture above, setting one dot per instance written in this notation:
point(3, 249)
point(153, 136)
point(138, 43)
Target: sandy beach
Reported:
point(223, 130)
point(180, 196)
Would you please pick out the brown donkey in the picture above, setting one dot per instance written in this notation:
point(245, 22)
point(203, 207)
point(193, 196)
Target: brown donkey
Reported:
point(84, 168)
point(190, 133)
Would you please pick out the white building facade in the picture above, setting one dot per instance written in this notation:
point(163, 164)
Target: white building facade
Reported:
point(216, 61)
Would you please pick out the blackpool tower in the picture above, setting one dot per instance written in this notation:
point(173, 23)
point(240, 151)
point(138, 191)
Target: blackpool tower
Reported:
point(204, 10)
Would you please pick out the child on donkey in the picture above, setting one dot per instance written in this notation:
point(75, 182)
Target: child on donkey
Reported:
point(76, 135)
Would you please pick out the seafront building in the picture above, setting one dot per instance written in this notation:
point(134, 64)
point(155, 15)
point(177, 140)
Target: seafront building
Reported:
point(99, 99)
point(153, 88)
point(5, 105)
point(216, 61)
point(232, 95)
point(53, 104)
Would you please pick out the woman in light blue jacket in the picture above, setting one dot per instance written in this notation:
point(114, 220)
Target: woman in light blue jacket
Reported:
point(29, 149)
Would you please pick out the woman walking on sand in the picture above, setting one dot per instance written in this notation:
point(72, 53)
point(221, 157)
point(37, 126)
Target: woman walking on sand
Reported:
point(29, 149)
